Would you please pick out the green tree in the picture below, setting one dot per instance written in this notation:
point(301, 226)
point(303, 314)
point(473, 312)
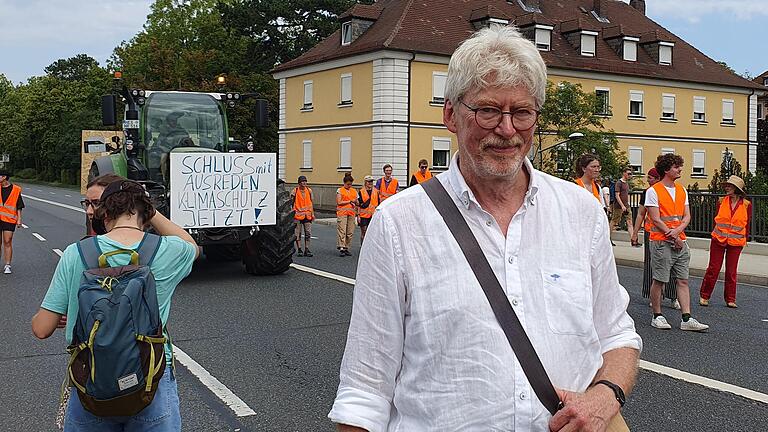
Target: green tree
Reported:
point(569, 109)
point(77, 68)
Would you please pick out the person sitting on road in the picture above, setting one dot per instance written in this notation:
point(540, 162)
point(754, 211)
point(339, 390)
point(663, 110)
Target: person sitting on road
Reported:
point(125, 211)
point(10, 216)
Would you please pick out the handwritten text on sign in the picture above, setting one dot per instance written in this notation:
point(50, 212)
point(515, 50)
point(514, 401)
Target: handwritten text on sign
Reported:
point(211, 190)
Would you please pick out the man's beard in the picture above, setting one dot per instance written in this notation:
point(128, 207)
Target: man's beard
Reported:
point(489, 164)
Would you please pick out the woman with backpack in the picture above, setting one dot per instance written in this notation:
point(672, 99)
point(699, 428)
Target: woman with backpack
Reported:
point(124, 212)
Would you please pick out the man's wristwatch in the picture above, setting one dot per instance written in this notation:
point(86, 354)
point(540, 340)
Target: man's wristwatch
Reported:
point(617, 391)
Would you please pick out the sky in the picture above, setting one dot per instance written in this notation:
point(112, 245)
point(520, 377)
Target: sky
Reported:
point(35, 33)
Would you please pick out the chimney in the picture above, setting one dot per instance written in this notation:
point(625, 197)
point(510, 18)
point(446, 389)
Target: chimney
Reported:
point(639, 5)
point(597, 7)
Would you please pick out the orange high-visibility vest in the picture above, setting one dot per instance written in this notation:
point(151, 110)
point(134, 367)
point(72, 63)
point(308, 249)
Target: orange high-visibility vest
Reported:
point(8, 211)
point(421, 178)
point(386, 192)
point(671, 212)
point(731, 227)
point(595, 189)
point(647, 222)
point(302, 204)
point(368, 211)
point(346, 195)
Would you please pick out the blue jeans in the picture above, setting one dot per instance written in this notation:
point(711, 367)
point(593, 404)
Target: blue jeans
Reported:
point(162, 415)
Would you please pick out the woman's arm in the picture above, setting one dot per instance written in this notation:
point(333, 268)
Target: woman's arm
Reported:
point(45, 322)
point(164, 227)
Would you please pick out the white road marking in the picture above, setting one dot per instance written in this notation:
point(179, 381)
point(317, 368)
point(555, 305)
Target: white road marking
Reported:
point(324, 274)
point(706, 382)
point(24, 226)
point(39, 190)
point(765, 320)
point(68, 196)
point(220, 390)
point(69, 207)
point(39, 237)
point(52, 193)
point(58, 252)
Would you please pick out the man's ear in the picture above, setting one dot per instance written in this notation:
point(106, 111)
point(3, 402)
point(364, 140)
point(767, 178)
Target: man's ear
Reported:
point(449, 115)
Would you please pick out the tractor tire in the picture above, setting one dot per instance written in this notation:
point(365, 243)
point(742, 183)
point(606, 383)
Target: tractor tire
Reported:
point(270, 250)
point(222, 253)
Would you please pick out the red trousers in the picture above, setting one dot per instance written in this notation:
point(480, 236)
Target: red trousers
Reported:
point(716, 253)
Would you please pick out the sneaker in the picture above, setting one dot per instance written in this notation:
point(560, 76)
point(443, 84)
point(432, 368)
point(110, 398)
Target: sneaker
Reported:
point(347, 252)
point(7, 269)
point(341, 252)
point(703, 302)
point(308, 253)
point(300, 253)
point(661, 323)
point(676, 304)
point(693, 325)
point(731, 305)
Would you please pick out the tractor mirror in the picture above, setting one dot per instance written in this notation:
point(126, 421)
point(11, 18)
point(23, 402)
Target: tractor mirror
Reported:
point(108, 110)
point(262, 113)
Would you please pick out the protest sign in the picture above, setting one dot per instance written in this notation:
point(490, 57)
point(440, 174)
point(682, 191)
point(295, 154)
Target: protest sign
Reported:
point(213, 190)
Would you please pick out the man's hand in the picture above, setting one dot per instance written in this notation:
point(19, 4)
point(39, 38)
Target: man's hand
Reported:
point(674, 233)
point(62, 322)
point(633, 239)
point(18, 225)
point(587, 412)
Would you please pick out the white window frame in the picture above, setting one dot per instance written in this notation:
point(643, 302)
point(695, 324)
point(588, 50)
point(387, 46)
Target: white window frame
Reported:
point(607, 106)
point(665, 53)
point(346, 89)
point(637, 96)
point(346, 33)
point(703, 112)
point(441, 144)
point(631, 53)
point(543, 37)
point(666, 113)
point(635, 155)
point(699, 169)
point(759, 111)
point(308, 91)
point(667, 150)
point(726, 119)
point(306, 151)
point(591, 36)
point(345, 152)
point(438, 95)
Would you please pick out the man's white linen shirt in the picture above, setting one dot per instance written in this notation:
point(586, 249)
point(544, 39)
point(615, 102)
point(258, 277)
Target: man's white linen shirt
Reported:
point(424, 350)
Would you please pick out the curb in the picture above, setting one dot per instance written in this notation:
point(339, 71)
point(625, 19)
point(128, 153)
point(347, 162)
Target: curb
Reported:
point(761, 281)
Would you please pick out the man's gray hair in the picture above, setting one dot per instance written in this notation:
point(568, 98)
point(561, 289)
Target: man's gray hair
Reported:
point(496, 57)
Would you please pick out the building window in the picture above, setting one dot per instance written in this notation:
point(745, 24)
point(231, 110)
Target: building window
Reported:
point(765, 81)
point(667, 150)
point(603, 101)
point(588, 41)
point(441, 152)
point(635, 103)
point(438, 87)
point(699, 108)
point(760, 111)
point(630, 50)
point(346, 89)
point(728, 111)
point(636, 159)
point(698, 163)
point(345, 153)
point(668, 106)
point(543, 38)
point(346, 33)
point(665, 54)
point(307, 152)
point(307, 95)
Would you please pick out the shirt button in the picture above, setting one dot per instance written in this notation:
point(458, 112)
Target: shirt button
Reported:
point(511, 260)
point(514, 302)
point(489, 222)
point(523, 396)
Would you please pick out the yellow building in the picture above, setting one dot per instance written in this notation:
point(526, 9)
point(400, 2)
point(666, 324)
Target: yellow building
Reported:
point(372, 93)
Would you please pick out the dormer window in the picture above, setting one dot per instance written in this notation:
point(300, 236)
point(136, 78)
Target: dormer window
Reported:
point(488, 16)
point(629, 48)
point(765, 82)
point(588, 42)
point(665, 53)
point(544, 37)
point(346, 33)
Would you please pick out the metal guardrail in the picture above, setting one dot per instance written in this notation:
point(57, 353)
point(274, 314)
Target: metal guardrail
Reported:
point(704, 207)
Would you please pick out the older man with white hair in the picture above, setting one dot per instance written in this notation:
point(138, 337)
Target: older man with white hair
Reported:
point(425, 349)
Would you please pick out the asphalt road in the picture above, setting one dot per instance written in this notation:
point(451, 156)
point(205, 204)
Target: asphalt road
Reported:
point(276, 342)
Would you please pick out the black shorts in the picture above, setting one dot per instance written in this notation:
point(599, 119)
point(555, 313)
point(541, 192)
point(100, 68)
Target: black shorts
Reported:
point(7, 226)
point(365, 221)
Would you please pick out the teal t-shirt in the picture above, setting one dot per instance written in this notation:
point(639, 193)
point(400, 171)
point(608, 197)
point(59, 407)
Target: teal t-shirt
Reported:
point(172, 263)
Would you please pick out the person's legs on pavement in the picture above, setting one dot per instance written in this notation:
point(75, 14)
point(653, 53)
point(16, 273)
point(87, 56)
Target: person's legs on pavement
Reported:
point(7, 250)
point(349, 234)
point(341, 226)
point(716, 254)
point(307, 238)
point(162, 415)
point(732, 254)
point(297, 232)
point(660, 266)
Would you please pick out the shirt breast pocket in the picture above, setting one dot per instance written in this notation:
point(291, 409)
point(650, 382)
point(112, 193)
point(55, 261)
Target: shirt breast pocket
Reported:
point(568, 297)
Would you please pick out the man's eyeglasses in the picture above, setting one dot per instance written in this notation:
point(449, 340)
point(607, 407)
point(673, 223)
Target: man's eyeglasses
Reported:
point(85, 203)
point(489, 118)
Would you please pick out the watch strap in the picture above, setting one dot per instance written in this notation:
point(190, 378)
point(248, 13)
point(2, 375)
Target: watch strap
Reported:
point(617, 391)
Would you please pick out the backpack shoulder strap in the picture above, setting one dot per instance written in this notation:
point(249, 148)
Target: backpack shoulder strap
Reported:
point(89, 252)
point(148, 248)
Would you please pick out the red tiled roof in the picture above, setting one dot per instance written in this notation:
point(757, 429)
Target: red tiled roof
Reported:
point(761, 78)
point(439, 26)
point(369, 12)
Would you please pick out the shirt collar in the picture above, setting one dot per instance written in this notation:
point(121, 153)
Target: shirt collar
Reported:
point(460, 188)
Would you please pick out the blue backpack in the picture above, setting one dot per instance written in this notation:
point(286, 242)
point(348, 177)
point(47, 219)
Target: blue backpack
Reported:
point(612, 192)
point(117, 356)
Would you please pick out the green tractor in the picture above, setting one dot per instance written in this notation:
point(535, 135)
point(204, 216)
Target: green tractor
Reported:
point(158, 124)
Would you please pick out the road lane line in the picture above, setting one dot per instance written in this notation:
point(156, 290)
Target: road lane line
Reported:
point(58, 252)
point(52, 193)
point(68, 196)
point(24, 226)
point(33, 198)
point(324, 274)
point(39, 237)
point(220, 390)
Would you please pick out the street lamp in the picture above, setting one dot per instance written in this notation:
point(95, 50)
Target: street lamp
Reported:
point(572, 137)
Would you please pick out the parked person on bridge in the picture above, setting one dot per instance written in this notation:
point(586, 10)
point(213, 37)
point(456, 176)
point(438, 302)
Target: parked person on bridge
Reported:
point(304, 214)
point(425, 351)
point(621, 204)
point(125, 211)
point(423, 174)
point(644, 220)
point(346, 205)
point(729, 236)
point(10, 216)
point(667, 204)
point(367, 201)
point(387, 185)
point(92, 200)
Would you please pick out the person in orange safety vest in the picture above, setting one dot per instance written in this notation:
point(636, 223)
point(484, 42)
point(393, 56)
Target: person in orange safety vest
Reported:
point(346, 215)
point(729, 236)
point(367, 201)
point(422, 174)
point(10, 216)
point(304, 214)
point(387, 185)
point(588, 171)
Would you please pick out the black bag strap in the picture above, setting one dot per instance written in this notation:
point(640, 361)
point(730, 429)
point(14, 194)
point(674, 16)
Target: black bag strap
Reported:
point(518, 339)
